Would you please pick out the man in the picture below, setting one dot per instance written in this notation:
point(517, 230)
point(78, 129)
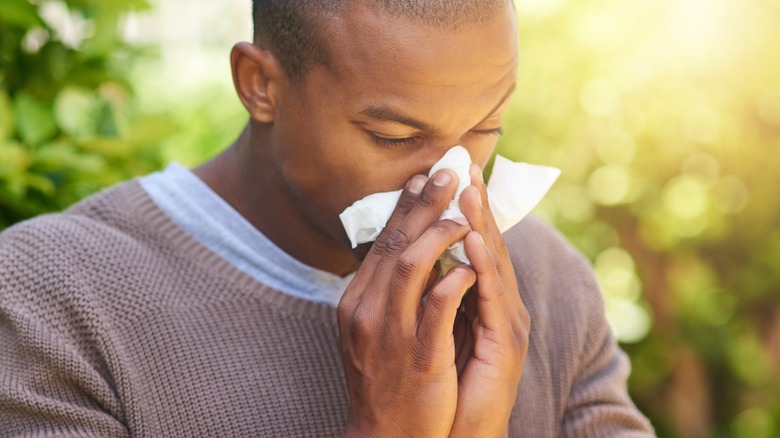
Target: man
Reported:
point(227, 301)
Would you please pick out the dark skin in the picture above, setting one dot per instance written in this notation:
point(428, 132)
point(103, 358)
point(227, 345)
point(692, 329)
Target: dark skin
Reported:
point(394, 98)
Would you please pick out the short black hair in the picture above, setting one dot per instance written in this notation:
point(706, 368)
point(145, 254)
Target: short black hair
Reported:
point(291, 26)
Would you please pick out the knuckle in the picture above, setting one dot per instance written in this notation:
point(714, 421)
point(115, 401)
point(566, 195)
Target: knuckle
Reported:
point(465, 274)
point(406, 202)
point(440, 297)
point(344, 310)
point(429, 198)
point(443, 228)
point(522, 331)
point(525, 318)
point(408, 267)
point(392, 242)
point(360, 322)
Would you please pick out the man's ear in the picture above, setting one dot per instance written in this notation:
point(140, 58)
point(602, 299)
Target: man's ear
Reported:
point(256, 76)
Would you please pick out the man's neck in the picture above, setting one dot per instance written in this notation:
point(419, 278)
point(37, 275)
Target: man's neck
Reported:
point(249, 183)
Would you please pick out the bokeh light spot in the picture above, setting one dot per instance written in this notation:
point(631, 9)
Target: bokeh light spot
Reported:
point(73, 111)
point(702, 124)
point(685, 197)
point(754, 423)
point(617, 148)
point(610, 184)
point(616, 275)
point(35, 39)
point(69, 27)
point(573, 203)
point(730, 195)
point(704, 166)
point(629, 320)
point(600, 97)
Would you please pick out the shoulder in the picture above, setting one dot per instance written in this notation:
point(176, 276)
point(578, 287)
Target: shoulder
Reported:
point(543, 257)
point(532, 234)
point(53, 259)
point(85, 226)
point(572, 353)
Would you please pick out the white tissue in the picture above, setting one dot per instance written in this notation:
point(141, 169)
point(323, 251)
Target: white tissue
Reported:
point(514, 190)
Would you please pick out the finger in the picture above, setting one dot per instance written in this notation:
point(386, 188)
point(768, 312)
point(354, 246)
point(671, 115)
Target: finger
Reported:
point(382, 260)
point(475, 212)
point(408, 283)
point(477, 209)
point(408, 197)
point(491, 297)
point(479, 183)
point(436, 326)
point(425, 210)
point(472, 208)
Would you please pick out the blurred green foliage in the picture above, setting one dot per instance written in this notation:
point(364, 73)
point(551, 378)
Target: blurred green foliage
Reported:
point(68, 126)
point(664, 117)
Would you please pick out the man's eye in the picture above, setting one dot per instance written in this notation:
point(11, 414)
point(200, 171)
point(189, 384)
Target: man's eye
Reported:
point(496, 131)
point(389, 142)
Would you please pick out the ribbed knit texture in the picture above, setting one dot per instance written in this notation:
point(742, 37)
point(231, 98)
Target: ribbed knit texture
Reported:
point(114, 322)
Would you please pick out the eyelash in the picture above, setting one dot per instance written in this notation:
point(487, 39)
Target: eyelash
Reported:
point(397, 142)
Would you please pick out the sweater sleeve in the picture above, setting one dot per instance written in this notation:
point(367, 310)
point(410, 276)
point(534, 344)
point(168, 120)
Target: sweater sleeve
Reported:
point(53, 379)
point(573, 354)
point(598, 404)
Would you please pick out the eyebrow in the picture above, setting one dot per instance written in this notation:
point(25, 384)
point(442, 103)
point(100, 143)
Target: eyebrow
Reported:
point(384, 113)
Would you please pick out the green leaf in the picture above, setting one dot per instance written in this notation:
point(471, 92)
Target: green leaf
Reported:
point(20, 13)
point(56, 157)
point(105, 120)
point(106, 37)
point(13, 159)
point(40, 183)
point(6, 117)
point(151, 130)
point(74, 111)
point(34, 120)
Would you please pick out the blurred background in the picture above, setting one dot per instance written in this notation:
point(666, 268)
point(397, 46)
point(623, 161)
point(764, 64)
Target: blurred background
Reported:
point(664, 117)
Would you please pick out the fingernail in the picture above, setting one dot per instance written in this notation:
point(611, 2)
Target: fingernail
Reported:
point(442, 179)
point(416, 185)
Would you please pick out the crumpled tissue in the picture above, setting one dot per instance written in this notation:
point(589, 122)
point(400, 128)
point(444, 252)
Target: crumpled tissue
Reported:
point(514, 190)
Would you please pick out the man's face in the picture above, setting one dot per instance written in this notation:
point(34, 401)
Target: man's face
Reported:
point(394, 98)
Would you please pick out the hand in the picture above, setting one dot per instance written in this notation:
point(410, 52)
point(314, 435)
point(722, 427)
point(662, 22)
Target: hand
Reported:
point(493, 326)
point(398, 355)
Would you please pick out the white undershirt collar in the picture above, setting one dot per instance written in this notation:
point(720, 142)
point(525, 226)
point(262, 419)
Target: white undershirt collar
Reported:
point(197, 209)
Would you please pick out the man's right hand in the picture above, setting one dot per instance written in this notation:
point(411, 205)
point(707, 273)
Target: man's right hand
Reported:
point(398, 354)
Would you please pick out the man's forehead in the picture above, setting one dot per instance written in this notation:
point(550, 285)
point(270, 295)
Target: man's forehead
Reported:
point(365, 39)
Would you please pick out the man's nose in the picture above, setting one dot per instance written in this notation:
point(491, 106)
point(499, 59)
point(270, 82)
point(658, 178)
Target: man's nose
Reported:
point(477, 155)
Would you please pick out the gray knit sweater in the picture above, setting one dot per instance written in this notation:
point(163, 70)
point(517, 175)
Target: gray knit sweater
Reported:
point(114, 322)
